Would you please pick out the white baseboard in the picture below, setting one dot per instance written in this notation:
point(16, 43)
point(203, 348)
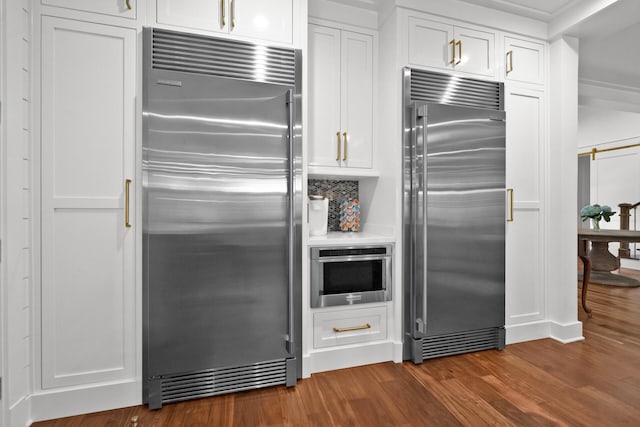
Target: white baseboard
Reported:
point(570, 332)
point(397, 352)
point(566, 333)
point(70, 401)
point(20, 413)
point(329, 359)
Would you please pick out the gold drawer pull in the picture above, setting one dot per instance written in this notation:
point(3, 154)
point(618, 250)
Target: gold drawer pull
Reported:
point(128, 5)
point(127, 184)
point(352, 328)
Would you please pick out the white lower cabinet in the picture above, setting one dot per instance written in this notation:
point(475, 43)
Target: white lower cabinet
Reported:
point(350, 326)
point(88, 230)
point(525, 134)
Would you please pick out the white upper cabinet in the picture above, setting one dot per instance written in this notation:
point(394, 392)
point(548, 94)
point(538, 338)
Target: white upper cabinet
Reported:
point(449, 47)
point(258, 19)
point(340, 98)
point(123, 8)
point(524, 60)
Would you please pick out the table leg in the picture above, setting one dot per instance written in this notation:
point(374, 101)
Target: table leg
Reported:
point(586, 273)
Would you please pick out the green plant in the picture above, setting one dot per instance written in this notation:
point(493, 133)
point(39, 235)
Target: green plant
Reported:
point(596, 213)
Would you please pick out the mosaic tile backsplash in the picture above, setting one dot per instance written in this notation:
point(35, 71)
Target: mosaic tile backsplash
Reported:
point(335, 191)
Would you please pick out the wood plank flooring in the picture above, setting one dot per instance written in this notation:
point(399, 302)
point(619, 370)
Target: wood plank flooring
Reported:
point(595, 382)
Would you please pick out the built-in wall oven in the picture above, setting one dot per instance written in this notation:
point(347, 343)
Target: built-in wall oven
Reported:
point(350, 275)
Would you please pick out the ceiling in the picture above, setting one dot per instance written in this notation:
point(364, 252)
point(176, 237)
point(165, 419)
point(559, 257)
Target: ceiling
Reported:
point(543, 10)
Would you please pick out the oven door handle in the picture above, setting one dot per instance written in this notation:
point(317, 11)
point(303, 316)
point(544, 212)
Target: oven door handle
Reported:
point(351, 258)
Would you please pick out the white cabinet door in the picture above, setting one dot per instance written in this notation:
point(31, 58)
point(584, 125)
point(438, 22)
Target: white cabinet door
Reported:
point(357, 99)
point(525, 234)
point(123, 8)
point(88, 253)
point(524, 60)
point(340, 98)
point(475, 51)
point(431, 44)
point(324, 96)
point(197, 14)
point(258, 19)
point(265, 20)
point(448, 47)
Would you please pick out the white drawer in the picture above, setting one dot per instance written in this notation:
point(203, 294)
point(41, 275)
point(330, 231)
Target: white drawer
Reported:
point(350, 326)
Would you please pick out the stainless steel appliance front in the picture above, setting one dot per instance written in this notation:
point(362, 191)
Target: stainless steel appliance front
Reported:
point(350, 275)
point(221, 238)
point(454, 215)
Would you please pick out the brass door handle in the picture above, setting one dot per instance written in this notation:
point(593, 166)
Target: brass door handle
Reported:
point(510, 193)
point(128, 4)
point(352, 328)
point(459, 44)
point(344, 149)
point(453, 51)
point(338, 138)
point(127, 184)
point(233, 14)
point(224, 22)
point(510, 61)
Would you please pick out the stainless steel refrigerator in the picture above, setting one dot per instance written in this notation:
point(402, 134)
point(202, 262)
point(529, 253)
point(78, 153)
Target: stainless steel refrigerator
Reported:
point(221, 216)
point(454, 215)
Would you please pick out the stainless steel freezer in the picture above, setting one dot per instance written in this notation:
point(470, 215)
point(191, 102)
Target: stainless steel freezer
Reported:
point(221, 238)
point(454, 219)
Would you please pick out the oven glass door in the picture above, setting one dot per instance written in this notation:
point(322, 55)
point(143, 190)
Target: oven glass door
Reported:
point(342, 277)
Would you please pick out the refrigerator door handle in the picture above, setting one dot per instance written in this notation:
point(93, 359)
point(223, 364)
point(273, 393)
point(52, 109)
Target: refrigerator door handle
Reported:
point(419, 220)
point(290, 347)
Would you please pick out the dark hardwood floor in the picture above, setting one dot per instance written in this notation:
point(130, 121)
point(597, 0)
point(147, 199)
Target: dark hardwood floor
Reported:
point(595, 382)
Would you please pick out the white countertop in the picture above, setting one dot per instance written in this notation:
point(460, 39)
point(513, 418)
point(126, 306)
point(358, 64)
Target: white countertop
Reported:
point(349, 238)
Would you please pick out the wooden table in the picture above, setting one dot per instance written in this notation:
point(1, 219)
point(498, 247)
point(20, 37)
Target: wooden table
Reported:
point(585, 236)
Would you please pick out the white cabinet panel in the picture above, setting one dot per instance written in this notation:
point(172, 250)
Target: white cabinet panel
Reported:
point(198, 14)
point(88, 151)
point(265, 20)
point(524, 292)
point(324, 96)
point(357, 99)
point(525, 280)
point(123, 8)
point(258, 19)
point(524, 60)
point(429, 43)
point(450, 47)
point(340, 98)
point(475, 51)
point(349, 326)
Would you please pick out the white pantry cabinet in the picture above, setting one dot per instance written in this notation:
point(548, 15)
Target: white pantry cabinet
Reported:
point(525, 135)
point(88, 234)
point(121, 8)
point(340, 98)
point(450, 47)
point(524, 61)
point(264, 20)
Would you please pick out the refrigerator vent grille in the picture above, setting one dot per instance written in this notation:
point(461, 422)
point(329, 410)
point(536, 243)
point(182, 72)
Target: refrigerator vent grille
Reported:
point(212, 382)
point(453, 90)
point(193, 53)
point(462, 342)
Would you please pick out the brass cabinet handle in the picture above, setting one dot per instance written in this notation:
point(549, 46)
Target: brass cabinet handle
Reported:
point(453, 51)
point(233, 14)
point(338, 156)
point(510, 57)
point(510, 193)
point(127, 184)
point(128, 4)
point(459, 44)
point(222, 2)
point(352, 328)
point(344, 149)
